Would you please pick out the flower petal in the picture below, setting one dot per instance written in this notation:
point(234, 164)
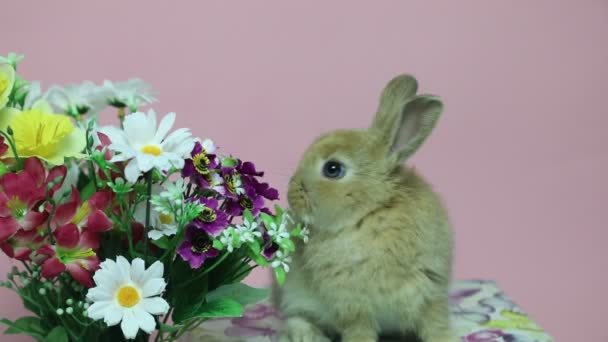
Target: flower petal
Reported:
point(98, 222)
point(33, 219)
point(155, 305)
point(132, 171)
point(124, 267)
point(80, 274)
point(67, 236)
point(8, 227)
point(52, 267)
point(138, 268)
point(113, 315)
point(34, 167)
point(98, 294)
point(153, 287)
point(71, 146)
point(144, 319)
point(129, 324)
point(155, 270)
point(163, 128)
point(98, 309)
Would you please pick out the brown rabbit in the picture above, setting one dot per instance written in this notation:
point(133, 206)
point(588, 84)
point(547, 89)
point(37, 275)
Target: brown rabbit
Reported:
point(380, 250)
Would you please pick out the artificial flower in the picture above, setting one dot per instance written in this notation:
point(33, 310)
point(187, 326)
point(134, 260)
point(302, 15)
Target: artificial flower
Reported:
point(132, 93)
point(34, 94)
point(200, 167)
point(78, 99)
point(144, 146)
point(22, 193)
point(229, 239)
point(88, 215)
point(270, 248)
point(41, 133)
point(73, 252)
point(3, 146)
point(305, 234)
point(162, 220)
point(12, 59)
point(248, 231)
point(211, 219)
point(250, 200)
point(197, 247)
point(232, 183)
point(7, 79)
point(278, 232)
point(281, 259)
point(128, 294)
point(22, 245)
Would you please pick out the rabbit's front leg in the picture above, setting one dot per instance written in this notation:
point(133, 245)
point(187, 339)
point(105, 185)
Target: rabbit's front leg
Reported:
point(358, 329)
point(297, 329)
point(434, 325)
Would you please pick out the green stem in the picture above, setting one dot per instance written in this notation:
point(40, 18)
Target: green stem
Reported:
point(128, 229)
point(48, 226)
point(202, 274)
point(148, 207)
point(11, 143)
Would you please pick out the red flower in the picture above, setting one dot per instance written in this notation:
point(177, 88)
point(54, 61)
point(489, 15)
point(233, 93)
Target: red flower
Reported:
point(21, 245)
point(88, 216)
point(74, 252)
point(3, 146)
point(22, 193)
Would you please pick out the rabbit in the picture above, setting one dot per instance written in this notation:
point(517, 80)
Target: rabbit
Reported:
point(379, 258)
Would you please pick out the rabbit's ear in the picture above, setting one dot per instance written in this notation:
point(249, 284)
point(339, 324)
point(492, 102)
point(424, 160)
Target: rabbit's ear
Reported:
point(417, 119)
point(394, 95)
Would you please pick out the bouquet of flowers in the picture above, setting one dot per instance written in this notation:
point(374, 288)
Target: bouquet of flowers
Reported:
point(132, 231)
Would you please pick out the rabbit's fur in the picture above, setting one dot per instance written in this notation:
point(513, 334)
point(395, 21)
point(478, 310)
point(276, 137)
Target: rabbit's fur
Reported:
point(380, 250)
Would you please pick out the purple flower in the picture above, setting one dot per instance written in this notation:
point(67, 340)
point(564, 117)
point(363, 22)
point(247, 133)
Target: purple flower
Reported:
point(212, 220)
point(202, 164)
point(249, 200)
point(264, 189)
point(248, 168)
point(197, 247)
point(270, 250)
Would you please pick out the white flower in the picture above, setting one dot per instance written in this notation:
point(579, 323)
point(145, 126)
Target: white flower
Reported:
point(227, 239)
point(248, 231)
point(78, 98)
point(209, 146)
point(132, 93)
point(162, 220)
point(174, 191)
point(146, 147)
point(278, 233)
point(281, 259)
point(217, 183)
point(305, 233)
point(128, 294)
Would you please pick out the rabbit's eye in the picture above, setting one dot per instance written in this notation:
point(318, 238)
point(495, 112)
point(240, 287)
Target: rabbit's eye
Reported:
point(333, 169)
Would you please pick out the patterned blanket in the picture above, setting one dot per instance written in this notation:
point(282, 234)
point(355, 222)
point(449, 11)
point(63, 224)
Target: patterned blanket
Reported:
point(481, 313)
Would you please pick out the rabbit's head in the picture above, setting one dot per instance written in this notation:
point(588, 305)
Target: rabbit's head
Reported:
point(348, 173)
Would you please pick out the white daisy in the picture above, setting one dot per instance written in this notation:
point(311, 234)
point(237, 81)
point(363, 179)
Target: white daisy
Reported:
point(128, 294)
point(145, 146)
point(281, 260)
point(132, 93)
point(78, 98)
point(162, 220)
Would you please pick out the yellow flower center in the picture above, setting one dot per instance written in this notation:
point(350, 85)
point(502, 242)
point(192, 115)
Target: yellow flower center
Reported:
point(83, 211)
point(152, 150)
point(165, 219)
point(201, 163)
point(17, 207)
point(127, 296)
point(39, 133)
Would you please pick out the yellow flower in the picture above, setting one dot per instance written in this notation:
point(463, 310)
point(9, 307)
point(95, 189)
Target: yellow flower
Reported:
point(40, 133)
point(7, 78)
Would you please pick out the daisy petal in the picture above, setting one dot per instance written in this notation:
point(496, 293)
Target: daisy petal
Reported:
point(138, 269)
point(155, 305)
point(129, 324)
point(145, 320)
point(113, 315)
point(163, 128)
point(155, 270)
point(98, 309)
point(153, 287)
point(132, 171)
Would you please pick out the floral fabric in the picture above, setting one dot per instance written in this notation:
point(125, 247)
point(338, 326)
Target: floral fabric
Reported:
point(481, 312)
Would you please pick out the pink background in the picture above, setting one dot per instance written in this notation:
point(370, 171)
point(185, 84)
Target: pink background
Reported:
point(520, 153)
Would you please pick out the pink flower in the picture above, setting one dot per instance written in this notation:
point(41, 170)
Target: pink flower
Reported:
point(21, 245)
point(73, 252)
point(88, 216)
point(22, 193)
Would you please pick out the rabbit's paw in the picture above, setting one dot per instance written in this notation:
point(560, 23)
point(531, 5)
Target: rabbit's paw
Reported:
point(296, 329)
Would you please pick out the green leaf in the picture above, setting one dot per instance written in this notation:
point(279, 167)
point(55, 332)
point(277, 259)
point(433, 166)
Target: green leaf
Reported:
point(279, 274)
point(25, 325)
point(88, 191)
point(220, 308)
point(267, 219)
point(163, 242)
point(218, 245)
point(255, 247)
point(258, 258)
point(247, 215)
point(227, 162)
point(287, 245)
point(58, 334)
point(278, 211)
point(241, 293)
point(297, 231)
